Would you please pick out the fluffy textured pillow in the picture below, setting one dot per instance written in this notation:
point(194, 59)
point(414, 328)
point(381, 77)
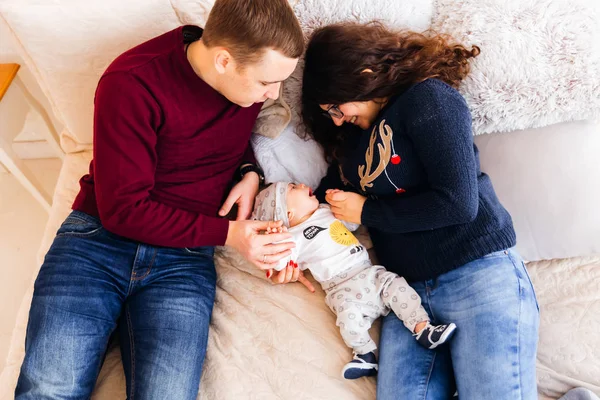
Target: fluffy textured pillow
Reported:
point(539, 61)
point(409, 14)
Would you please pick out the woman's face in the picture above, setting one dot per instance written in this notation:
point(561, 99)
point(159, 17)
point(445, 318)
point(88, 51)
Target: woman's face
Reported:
point(360, 113)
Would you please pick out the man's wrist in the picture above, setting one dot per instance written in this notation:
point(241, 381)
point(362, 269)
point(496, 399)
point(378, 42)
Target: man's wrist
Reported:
point(247, 168)
point(253, 176)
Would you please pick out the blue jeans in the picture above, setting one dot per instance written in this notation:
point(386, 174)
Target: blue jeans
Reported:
point(92, 282)
point(492, 354)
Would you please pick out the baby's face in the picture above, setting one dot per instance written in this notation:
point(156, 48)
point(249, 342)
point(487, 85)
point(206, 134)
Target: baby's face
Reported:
point(300, 202)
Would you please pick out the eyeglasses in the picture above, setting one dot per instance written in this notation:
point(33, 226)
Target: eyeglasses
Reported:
point(333, 112)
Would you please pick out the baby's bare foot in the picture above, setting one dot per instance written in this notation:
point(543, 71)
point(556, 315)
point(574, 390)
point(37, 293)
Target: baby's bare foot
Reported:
point(420, 326)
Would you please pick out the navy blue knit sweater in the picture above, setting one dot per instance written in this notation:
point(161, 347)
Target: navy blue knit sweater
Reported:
point(430, 209)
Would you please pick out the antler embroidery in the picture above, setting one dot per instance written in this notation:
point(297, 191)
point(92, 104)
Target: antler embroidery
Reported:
point(364, 171)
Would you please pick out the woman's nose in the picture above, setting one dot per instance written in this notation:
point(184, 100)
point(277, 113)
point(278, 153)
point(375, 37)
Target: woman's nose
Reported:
point(337, 121)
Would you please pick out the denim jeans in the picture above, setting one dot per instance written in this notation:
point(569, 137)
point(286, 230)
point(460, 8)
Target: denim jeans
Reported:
point(93, 282)
point(492, 354)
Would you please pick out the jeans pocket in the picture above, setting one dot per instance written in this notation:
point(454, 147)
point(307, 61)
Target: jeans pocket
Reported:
point(523, 275)
point(79, 225)
point(530, 284)
point(207, 251)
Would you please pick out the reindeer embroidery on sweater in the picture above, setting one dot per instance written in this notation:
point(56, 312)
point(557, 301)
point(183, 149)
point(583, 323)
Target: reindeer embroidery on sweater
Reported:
point(387, 153)
point(385, 150)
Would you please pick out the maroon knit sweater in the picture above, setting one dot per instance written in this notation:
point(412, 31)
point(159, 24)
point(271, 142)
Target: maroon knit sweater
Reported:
point(166, 147)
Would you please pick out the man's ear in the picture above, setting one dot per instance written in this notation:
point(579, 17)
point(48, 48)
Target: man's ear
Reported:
point(222, 60)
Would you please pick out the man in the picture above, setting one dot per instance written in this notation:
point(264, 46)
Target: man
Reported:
point(172, 125)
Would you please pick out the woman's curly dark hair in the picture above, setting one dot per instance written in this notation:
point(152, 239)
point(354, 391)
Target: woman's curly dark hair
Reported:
point(338, 55)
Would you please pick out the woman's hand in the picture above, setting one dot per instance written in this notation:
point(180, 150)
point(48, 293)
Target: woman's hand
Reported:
point(346, 206)
point(290, 274)
point(242, 194)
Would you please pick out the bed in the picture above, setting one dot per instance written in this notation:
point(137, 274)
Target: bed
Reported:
point(280, 342)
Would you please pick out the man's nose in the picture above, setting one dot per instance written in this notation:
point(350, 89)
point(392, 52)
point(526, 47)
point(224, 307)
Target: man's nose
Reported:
point(273, 93)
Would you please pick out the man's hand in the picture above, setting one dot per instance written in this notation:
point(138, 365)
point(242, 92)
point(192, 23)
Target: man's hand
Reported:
point(346, 206)
point(264, 251)
point(243, 195)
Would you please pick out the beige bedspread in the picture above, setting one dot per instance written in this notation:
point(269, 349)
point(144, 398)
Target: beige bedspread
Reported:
point(280, 342)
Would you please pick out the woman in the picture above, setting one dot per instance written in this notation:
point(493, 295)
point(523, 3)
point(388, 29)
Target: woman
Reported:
point(384, 107)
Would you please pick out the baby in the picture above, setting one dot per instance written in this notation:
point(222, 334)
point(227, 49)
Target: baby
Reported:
point(357, 291)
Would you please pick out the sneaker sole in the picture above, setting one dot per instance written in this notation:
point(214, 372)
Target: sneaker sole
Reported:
point(445, 336)
point(365, 366)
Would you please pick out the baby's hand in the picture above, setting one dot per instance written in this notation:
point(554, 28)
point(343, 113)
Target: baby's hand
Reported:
point(332, 191)
point(280, 229)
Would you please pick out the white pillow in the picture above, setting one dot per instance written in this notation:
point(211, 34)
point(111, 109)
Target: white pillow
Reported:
point(290, 158)
point(539, 61)
point(68, 44)
point(193, 12)
point(549, 180)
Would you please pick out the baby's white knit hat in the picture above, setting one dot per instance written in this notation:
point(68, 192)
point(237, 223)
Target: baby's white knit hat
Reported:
point(271, 204)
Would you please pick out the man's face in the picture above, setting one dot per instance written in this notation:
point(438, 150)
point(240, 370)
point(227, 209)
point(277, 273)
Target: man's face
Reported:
point(256, 82)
